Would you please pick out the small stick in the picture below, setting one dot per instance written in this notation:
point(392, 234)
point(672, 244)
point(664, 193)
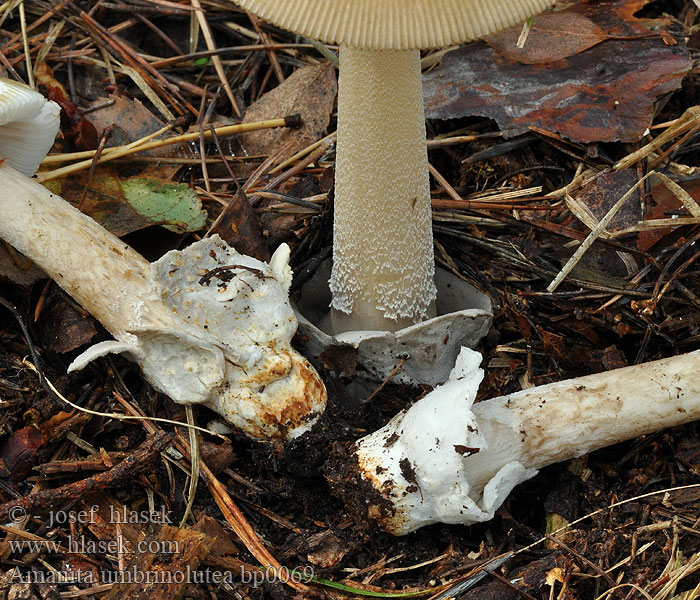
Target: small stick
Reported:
point(221, 132)
point(215, 58)
point(106, 134)
point(123, 471)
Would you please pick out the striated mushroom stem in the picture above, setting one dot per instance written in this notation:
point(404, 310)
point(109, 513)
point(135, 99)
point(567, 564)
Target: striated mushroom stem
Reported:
point(383, 266)
point(206, 324)
point(444, 460)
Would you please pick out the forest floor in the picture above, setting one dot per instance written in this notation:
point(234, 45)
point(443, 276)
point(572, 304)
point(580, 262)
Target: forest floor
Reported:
point(519, 185)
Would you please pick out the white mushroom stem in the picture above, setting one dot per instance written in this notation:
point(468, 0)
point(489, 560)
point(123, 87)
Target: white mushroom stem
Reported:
point(444, 460)
point(383, 265)
point(206, 324)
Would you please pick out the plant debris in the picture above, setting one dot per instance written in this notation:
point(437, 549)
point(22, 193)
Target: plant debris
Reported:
point(602, 93)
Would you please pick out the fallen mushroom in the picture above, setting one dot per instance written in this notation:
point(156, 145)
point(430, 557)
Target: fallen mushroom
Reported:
point(450, 461)
point(207, 325)
point(383, 263)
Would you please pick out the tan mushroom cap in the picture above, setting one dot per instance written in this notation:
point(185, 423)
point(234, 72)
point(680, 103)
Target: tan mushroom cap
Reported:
point(394, 24)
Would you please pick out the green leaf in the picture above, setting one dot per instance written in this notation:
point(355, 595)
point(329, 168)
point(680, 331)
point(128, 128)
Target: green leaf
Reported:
point(175, 206)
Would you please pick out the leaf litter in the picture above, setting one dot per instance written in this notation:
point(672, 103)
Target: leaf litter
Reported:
point(590, 87)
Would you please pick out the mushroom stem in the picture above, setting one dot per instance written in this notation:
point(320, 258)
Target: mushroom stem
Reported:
point(103, 274)
point(444, 460)
point(206, 324)
point(383, 264)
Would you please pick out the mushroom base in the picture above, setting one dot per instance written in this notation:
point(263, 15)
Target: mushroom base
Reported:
point(447, 460)
point(428, 349)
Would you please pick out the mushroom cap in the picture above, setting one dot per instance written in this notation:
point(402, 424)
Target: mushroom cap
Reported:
point(395, 24)
point(28, 126)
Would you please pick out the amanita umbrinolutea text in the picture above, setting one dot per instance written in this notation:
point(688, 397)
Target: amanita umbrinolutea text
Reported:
point(383, 263)
point(207, 325)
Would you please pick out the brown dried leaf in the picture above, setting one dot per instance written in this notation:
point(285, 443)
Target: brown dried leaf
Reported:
point(603, 94)
point(326, 549)
point(239, 227)
point(74, 125)
point(130, 120)
point(63, 326)
point(19, 451)
point(309, 92)
point(606, 189)
point(212, 528)
point(666, 203)
point(617, 17)
point(614, 358)
point(553, 36)
point(601, 194)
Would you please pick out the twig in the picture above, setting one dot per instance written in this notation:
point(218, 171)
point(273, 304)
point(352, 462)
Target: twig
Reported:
point(124, 471)
point(221, 131)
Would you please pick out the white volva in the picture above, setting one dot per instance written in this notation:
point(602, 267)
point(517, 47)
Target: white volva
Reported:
point(447, 460)
point(206, 324)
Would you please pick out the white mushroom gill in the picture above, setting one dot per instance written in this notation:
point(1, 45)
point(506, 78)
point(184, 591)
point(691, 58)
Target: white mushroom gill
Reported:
point(28, 126)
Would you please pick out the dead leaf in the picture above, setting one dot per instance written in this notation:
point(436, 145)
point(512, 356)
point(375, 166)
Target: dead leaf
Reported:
point(617, 17)
point(224, 545)
point(326, 549)
point(310, 92)
point(602, 192)
point(75, 127)
point(124, 205)
point(19, 451)
point(603, 94)
point(614, 358)
point(63, 326)
point(240, 228)
point(553, 36)
point(600, 195)
point(665, 205)
point(18, 269)
point(130, 120)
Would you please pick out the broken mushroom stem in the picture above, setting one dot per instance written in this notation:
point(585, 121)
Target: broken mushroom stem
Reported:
point(446, 460)
point(206, 324)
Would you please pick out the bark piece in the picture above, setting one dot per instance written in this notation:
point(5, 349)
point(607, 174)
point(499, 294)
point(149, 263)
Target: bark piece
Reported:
point(604, 94)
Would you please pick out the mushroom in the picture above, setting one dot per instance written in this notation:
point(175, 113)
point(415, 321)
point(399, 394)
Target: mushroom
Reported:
point(28, 126)
point(206, 324)
point(383, 263)
point(448, 460)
